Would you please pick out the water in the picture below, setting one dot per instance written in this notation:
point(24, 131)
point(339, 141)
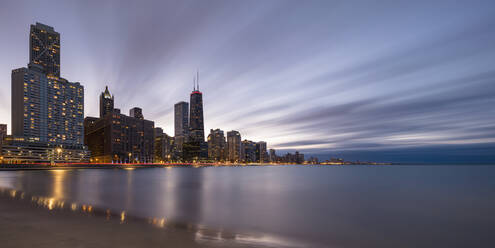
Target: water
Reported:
point(300, 206)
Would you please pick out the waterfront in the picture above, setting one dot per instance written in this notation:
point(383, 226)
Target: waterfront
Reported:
point(286, 206)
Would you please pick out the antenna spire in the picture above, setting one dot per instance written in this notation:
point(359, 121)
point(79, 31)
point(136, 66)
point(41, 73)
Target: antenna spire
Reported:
point(197, 78)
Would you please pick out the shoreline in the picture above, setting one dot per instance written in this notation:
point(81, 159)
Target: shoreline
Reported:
point(31, 221)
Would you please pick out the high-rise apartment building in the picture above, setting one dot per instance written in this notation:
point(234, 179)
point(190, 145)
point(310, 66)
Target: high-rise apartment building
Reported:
point(44, 49)
point(216, 145)
point(47, 110)
point(249, 151)
point(46, 107)
point(234, 146)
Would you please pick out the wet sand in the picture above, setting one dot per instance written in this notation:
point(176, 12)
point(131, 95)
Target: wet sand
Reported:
point(23, 224)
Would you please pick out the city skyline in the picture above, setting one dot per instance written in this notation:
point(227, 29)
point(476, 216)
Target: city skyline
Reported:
point(413, 95)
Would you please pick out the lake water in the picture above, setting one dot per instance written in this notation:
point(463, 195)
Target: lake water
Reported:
point(293, 206)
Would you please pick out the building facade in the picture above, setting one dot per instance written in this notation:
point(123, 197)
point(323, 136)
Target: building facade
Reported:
point(45, 107)
point(198, 148)
point(164, 147)
point(181, 119)
point(234, 146)
point(216, 145)
point(106, 103)
point(3, 135)
point(22, 150)
point(249, 154)
point(273, 156)
point(196, 125)
point(261, 154)
point(117, 138)
point(181, 128)
point(44, 49)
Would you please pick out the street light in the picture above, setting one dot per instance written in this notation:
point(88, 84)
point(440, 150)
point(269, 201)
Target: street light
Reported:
point(130, 157)
point(59, 150)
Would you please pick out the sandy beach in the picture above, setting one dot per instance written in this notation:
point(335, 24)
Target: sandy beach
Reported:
point(23, 224)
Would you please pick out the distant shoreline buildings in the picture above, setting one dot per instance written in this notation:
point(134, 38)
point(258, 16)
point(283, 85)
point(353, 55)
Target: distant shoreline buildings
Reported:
point(48, 124)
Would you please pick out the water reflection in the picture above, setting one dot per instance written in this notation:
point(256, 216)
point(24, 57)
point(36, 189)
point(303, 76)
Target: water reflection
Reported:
point(200, 233)
point(279, 206)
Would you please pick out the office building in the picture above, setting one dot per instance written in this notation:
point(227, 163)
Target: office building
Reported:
point(261, 154)
point(216, 145)
point(196, 148)
point(117, 138)
point(106, 103)
point(249, 151)
point(164, 146)
point(234, 146)
point(181, 127)
point(273, 156)
point(196, 125)
point(181, 119)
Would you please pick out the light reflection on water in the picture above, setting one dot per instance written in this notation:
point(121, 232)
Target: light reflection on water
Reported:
point(201, 233)
point(350, 206)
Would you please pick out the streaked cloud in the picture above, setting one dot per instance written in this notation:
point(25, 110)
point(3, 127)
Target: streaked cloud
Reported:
point(319, 76)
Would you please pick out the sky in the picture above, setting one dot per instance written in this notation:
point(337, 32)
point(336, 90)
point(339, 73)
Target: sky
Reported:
point(396, 81)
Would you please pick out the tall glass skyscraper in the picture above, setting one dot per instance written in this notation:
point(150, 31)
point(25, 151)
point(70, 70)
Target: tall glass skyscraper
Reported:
point(181, 119)
point(196, 125)
point(198, 146)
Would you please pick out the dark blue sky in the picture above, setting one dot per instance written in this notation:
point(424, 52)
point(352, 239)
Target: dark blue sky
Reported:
point(353, 78)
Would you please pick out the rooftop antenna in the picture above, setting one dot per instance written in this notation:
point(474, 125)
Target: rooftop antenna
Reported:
point(194, 83)
point(197, 78)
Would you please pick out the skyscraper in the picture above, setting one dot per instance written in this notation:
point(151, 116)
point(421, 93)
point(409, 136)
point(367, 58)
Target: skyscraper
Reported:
point(216, 145)
point(181, 127)
point(181, 119)
point(261, 154)
point(249, 151)
point(234, 146)
point(44, 49)
point(196, 125)
point(198, 148)
point(47, 110)
point(46, 107)
point(106, 103)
